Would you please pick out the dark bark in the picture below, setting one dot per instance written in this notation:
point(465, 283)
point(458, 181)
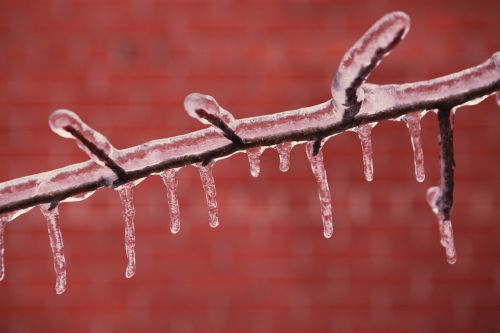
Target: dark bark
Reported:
point(445, 200)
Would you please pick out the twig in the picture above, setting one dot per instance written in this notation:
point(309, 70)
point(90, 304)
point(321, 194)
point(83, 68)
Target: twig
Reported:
point(445, 200)
point(219, 123)
point(363, 57)
point(99, 153)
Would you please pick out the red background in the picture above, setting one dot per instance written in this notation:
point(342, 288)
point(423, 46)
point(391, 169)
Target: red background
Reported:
point(125, 68)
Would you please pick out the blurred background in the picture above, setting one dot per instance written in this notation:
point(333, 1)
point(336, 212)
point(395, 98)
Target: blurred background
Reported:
point(125, 68)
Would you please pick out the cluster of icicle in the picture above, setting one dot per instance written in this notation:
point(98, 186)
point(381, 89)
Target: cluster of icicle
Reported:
point(62, 118)
point(207, 110)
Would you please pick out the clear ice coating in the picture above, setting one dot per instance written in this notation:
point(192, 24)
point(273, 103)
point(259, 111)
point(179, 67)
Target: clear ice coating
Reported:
point(196, 101)
point(364, 133)
point(128, 209)
point(4, 219)
point(254, 160)
point(378, 98)
point(56, 244)
point(318, 169)
point(207, 181)
point(3, 223)
point(445, 228)
point(284, 150)
point(59, 122)
point(79, 197)
point(413, 123)
point(380, 36)
point(170, 179)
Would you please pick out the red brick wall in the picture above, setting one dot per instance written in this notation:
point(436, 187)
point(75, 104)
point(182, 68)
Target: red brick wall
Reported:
point(126, 66)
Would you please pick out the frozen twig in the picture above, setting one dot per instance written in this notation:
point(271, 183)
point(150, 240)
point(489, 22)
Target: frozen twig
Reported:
point(440, 198)
point(68, 125)
point(378, 102)
point(445, 200)
point(206, 109)
point(363, 57)
point(306, 124)
point(356, 106)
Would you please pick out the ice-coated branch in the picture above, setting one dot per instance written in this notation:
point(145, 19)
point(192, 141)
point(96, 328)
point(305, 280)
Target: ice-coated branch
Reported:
point(206, 109)
point(380, 102)
point(440, 198)
point(68, 125)
point(445, 200)
point(363, 57)
point(355, 106)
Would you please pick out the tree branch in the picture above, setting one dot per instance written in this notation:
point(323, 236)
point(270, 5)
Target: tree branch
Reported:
point(228, 135)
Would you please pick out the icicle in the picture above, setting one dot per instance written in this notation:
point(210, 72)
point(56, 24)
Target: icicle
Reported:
point(284, 153)
point(127, 200)
point(364, 133)
point(445, 228)
point(4, 219)
point(170, 179)
point(254, 160)
point(3, 223)
point(318, 169)
point(413, 123)
point(51, 214)
point(447, 241)
point(207, 180)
